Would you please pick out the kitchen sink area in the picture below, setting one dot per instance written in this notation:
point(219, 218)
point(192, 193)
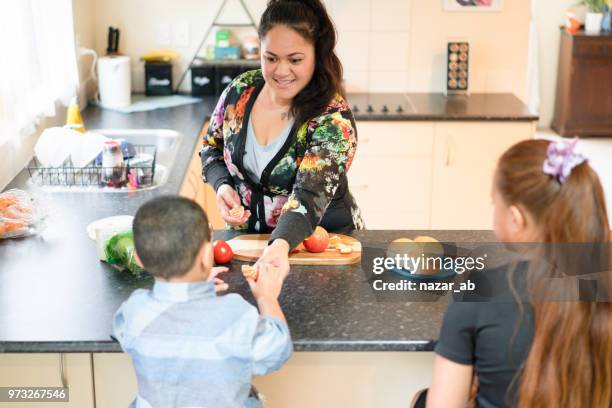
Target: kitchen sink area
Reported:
point(160, 146)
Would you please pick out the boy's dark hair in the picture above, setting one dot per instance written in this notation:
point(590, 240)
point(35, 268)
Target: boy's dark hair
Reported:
point(168, 234)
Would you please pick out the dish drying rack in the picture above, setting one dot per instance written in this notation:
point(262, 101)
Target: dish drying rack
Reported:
point(96, 175)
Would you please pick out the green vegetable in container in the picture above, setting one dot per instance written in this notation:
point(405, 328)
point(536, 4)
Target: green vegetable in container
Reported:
point(120, 251)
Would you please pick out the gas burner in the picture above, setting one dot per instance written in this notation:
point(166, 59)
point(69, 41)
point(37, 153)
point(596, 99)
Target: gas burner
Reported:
point(366, 106)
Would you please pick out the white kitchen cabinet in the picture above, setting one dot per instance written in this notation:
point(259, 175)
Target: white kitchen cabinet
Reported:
point(391, 174)
point(45, 370)
point(465, 157)
point(115, 379)
point(429, 175)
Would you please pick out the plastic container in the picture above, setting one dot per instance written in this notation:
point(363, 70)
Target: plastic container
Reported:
point(74, 120)
point(225, 75)
point(104, 229)
point(112, 161)
point(203, 80)
point(158, 78)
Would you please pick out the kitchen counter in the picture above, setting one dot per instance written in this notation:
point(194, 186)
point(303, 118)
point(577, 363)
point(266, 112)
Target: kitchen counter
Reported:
point(53, 289)
point(439, 107)
point(55, 296)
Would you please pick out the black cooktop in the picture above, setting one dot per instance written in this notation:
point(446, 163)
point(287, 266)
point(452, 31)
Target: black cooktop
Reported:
point(437, 106)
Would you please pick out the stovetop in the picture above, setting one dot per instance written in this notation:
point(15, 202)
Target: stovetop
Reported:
point(438, 107)
point(380, 104)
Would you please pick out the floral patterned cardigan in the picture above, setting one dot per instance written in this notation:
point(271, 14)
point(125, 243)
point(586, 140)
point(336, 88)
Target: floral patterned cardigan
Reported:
point(304, 185)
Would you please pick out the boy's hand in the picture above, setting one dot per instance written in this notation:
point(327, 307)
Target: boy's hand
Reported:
point(220, 286)
point(269, 282)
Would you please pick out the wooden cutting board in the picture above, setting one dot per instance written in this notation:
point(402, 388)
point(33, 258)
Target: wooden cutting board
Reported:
point(249, 248)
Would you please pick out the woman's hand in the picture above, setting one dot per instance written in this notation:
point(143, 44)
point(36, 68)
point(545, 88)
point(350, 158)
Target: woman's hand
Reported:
point(276, 254)
point(228, 198)
point(220, 286)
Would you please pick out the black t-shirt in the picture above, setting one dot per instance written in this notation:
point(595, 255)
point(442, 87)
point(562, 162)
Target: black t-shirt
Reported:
point(486, 329)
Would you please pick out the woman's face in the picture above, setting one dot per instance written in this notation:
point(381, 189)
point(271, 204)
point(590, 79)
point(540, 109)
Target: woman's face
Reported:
point(287, 61)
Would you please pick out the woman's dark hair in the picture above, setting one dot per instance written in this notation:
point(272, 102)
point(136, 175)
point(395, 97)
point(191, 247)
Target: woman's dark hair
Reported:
point(309, 18)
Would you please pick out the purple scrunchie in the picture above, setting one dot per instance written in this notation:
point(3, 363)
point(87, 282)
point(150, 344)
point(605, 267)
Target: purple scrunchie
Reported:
point(561, 159)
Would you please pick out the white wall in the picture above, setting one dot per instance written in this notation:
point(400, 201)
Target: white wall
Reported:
point(16, 153)
point(385, 45)
point(550, 15)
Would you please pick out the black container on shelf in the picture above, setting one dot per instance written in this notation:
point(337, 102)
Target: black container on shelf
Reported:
point(203, 80)
point(224, 75)
point(158, 78)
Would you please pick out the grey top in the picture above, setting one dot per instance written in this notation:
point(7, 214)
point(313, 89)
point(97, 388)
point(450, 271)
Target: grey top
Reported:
point(258, 156)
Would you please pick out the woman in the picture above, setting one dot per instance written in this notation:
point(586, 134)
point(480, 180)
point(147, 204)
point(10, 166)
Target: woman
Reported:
point(540, 353)
point(282, 139)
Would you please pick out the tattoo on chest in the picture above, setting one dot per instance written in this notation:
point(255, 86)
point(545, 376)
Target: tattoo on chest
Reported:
point(284, 115)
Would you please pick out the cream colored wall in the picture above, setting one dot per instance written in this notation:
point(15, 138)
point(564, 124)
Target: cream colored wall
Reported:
point(16, 153)
point(550, 15)
point(139, 23)
point(385, 45)
point(84, 31)
point(498, 41)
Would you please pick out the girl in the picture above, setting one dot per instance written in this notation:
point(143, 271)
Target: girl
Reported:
point(540, 354)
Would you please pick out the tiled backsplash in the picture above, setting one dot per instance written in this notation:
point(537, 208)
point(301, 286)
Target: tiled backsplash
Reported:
point(385, 45)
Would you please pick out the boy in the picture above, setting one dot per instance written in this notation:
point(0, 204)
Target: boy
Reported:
point(189, 347)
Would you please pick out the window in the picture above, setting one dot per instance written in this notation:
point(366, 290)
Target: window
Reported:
point(38, 65)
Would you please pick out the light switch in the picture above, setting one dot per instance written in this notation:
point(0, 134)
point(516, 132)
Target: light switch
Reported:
point(181, 34)
point(163, 35)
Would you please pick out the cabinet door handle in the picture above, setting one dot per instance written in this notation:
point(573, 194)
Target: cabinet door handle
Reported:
point(62, 368)
point(358, 186)
point(450, 151)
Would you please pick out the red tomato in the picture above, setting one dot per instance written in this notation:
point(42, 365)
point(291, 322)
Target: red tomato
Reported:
point(222, 251)
point(318, 241)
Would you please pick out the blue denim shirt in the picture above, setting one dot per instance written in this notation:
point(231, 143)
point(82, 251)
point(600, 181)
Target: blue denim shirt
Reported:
point(192, 348)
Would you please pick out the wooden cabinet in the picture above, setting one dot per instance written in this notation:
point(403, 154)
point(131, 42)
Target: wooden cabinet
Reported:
point(429, 175)
point(193, 187)
point(115, 379)
point(49, 370)
point(308, 379)
point(583, 104)
point(347, 379)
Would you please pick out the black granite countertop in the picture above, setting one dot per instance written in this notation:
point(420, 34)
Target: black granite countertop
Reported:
point(439, 107)
point(55, 296)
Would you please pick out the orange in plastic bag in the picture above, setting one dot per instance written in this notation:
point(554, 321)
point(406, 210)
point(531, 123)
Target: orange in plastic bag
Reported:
point(20, 215)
